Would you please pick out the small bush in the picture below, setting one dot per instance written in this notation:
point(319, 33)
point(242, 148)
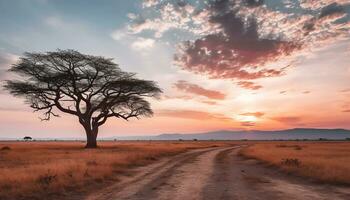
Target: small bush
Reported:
point(291, 162)
point(298, 148)
point(281, 146)
point(69, 174)
point(5, 148)
point(47, 179)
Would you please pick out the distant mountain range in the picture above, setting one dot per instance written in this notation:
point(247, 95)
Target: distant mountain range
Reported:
point(289, 134)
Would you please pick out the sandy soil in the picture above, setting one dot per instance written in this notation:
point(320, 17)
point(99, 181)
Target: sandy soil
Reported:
point(215, 173)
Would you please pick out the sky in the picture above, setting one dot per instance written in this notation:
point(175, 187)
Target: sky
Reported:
point(222, 65)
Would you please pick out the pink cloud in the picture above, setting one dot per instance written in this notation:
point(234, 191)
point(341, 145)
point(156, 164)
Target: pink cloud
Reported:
point(345, 90)
point(247, 123)
point(210, 102)
point(255, 114)
point(290, 120)
point(235, 51)
point(198, 90)
point(238, 40)
point(191, 114)
point(249, 85)
point(317, 4)
point(150, 3)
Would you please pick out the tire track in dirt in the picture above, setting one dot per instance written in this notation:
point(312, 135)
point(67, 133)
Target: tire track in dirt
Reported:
point(237, 178)
point(230, 181)
point(216, 174)
point(185, 181)
point(144, 185)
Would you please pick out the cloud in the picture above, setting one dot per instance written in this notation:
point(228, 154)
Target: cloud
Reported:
point(255, 114)
point(331, 9)
point(236, 51)
point(188, 97)
point(149, 3)
point(347, 111)
point(175, 15)
point(210, 102)
point(191, 114)
point(241, 39)
point(345, 90)
point(306, 92)
point(249, 85)
point(324, 26)
point(247, 123)
point(185, 97)
point(318, 4)
point(293, 120)
point(198, 90)
point(283, 92)
point(143, 43)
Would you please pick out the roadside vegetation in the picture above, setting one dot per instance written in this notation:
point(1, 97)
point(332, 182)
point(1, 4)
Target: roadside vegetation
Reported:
point(48, 170)
point(327, 162)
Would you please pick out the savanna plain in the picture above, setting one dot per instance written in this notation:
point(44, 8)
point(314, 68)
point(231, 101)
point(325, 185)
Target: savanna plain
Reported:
point(65, 170)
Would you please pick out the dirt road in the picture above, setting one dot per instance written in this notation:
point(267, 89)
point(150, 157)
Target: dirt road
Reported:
point(213, 174)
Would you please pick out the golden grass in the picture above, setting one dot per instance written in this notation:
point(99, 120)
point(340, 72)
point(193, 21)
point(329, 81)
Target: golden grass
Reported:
point(39, 170)
point(323, 161)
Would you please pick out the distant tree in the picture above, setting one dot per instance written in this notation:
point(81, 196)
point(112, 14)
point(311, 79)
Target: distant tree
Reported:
point(27, 138)
point(92, 88)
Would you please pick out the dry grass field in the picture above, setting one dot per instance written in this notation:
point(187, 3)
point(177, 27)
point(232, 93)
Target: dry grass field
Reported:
point(39, 170)
point(323, 161)
point(55, 170)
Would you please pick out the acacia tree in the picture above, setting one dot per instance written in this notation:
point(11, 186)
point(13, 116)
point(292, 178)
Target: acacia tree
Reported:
point(92, 88)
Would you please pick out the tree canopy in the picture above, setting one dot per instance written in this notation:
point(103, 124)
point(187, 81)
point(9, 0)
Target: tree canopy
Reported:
point(93, 88)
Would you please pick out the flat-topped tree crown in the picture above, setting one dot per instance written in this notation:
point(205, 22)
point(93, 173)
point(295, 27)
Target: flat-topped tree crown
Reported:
point(93, 88)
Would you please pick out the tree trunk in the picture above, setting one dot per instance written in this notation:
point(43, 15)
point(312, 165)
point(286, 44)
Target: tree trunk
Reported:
point(91, 136)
